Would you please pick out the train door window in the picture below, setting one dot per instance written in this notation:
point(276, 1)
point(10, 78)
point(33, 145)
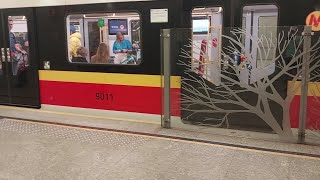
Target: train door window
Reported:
point(93, 37)
point(104, 38)
point(206, 27)
point(135, 35)
point(244, 27)
point(267, 29)
point(19, 44)
point(135, 30)
point(260, 26)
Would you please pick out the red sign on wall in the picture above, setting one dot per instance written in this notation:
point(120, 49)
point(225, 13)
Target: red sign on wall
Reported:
point(313, 20)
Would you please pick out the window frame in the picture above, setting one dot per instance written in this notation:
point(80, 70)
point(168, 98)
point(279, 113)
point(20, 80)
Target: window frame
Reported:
point(77, 64)
point(259, 4)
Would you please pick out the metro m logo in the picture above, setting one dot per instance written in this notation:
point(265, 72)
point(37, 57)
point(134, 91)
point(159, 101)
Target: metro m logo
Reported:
point(313, 20)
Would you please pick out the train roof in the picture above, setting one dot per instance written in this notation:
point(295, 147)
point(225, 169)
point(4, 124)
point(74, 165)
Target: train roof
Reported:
point(39, 3)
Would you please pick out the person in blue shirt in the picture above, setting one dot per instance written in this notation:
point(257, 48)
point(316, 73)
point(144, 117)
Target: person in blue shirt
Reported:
point(121, 45)
point(13, 43)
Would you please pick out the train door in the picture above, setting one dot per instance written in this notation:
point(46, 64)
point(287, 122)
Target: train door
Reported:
point(92, 34)
point(4, 84)
point(19, 82)
point(207, 29)
point(260, 22)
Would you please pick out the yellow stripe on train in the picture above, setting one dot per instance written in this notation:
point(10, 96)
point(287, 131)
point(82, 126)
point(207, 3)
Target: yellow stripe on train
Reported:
point(313, 88)
point(107, 78)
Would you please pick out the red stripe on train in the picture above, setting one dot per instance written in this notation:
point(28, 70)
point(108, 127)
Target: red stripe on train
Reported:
point(107, 97)
point(313, 113)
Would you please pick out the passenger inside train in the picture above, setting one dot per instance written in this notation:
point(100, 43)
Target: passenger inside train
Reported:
point(102, 56)
point(19, 44)
point(74, 41)
point(117, 34)
point(121, 47)
point(81, 56)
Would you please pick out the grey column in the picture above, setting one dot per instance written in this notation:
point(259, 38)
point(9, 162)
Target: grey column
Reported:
point(166, 66)
point(304, 84)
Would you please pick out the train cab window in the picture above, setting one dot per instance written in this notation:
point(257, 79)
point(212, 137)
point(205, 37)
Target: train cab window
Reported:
point(260, 24)
point(206, 27)
point(104, 38)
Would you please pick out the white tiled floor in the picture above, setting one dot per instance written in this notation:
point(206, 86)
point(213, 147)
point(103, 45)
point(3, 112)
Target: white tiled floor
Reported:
point(43, 151)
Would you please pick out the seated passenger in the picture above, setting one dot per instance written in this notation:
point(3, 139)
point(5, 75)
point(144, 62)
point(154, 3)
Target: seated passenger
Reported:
point(121, 45)
point(81, 55)
point(103, 55)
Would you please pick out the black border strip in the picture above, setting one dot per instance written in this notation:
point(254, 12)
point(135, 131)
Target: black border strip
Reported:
point(168, 137)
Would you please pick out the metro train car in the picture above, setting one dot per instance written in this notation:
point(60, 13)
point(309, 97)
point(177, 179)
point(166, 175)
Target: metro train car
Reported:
point(44, 34)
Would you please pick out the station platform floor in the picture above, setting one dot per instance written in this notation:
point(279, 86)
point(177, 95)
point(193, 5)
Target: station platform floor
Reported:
point(38, 144)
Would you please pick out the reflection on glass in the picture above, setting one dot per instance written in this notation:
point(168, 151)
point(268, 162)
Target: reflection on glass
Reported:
point(105, 38)
point(19, 47)
point(1, 72)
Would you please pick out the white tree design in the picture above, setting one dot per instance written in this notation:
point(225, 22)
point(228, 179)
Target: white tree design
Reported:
point(202, 97)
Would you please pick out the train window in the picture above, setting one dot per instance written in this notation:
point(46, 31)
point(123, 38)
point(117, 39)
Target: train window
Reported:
point(269, 32)
point(260, 23)
point(206, 27)
point(135, 31)
point(104, 38)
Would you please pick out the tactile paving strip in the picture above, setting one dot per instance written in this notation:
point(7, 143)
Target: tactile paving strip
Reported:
point(76, 134)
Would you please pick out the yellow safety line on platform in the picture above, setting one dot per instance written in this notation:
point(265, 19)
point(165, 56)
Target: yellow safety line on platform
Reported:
point(82, 115)
point(186, 141)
